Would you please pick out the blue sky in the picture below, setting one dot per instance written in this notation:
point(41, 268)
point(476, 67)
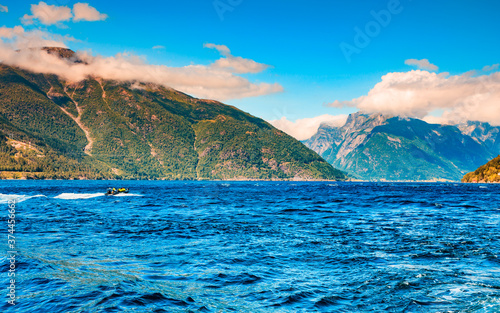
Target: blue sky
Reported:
point(300, 41)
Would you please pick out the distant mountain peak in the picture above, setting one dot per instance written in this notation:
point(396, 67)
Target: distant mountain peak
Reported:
point(64, 53)
point(360, 120)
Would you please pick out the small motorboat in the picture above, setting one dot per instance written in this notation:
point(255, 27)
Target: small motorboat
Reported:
point(114, 191)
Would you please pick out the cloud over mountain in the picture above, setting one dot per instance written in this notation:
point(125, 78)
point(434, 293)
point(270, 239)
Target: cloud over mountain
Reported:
point(219, 80)
point(417, 93)
point(205, 81)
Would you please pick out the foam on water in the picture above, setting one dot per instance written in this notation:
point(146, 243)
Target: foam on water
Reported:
point(128, 195)
point(83, 196)
point(19, 198)
point(78, 196)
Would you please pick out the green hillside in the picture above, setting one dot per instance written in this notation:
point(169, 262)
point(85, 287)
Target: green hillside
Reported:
point(98, 129)
point(488, 173)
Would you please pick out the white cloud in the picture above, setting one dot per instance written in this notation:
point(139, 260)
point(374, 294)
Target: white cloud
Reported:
point(84, 12)
point(305, 128)
point(47, 14)
point(436, 120)
point(159, 47)
point(3, 8)
point(418, 93)
point(17, 38)
point(204, 81)
point(234, 64)
point(239, 65)
point(423, 64)
point(53, 14)
point(10, 33)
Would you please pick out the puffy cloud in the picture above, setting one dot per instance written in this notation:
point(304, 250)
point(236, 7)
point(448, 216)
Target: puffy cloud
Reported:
point(84, 12)
point(234, 64)
point(10, 33)
point(423, 64)
point(305, 128)
point(3, 8)
point(53, 14)
point(47, 14)
point(204, 81)
point(418, 93)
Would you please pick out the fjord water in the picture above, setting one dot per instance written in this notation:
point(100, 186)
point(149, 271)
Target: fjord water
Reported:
point(254, 247)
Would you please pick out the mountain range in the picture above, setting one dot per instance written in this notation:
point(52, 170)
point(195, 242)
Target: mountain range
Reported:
point(378, 147)
point(99, 129)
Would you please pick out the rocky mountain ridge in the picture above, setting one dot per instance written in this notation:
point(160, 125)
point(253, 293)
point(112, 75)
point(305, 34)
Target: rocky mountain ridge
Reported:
point(377, 147)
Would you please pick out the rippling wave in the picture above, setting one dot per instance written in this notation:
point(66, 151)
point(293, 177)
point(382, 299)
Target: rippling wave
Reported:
point(254, 247)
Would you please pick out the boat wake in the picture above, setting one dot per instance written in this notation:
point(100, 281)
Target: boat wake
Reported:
point(82, 196)
point(78, 196)
point(18, 198)
point(128, 195)
point(4, 198)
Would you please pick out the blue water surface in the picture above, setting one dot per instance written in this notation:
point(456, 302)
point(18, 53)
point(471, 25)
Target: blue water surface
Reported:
point(253, 247)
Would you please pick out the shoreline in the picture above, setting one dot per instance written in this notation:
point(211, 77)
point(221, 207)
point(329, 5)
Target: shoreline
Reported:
point(257, 180)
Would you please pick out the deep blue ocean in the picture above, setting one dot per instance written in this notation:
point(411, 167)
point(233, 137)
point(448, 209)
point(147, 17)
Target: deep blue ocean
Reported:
point(252, 247)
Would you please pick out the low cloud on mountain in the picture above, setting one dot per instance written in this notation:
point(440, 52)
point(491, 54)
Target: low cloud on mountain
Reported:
point(218, 80)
